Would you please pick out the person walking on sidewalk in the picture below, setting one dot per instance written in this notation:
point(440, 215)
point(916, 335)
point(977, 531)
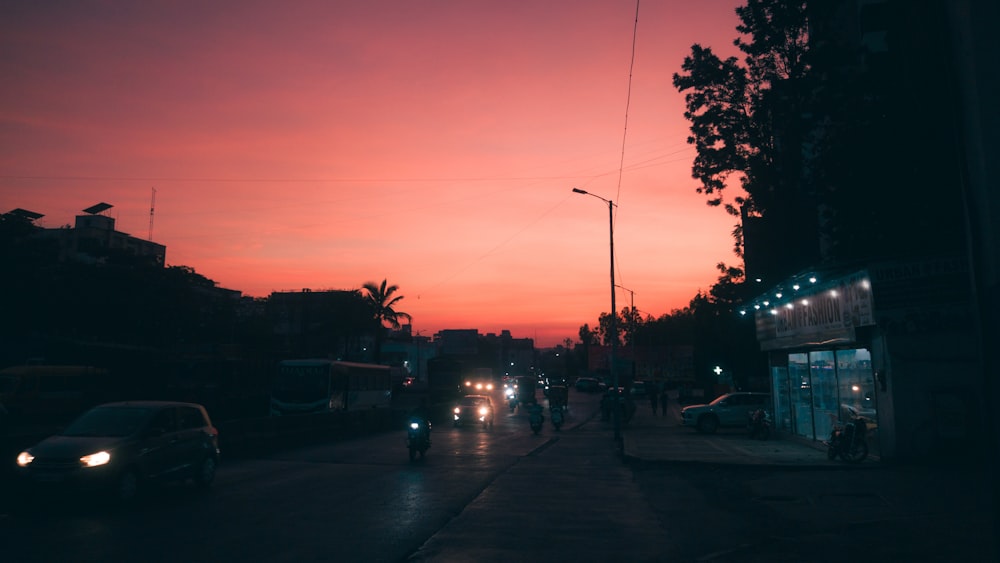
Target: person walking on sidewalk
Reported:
point(653, 397)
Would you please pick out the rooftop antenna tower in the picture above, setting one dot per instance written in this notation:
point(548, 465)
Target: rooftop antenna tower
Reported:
point(152, 206)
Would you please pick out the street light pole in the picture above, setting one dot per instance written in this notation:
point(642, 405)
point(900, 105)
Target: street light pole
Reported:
point(616, 410)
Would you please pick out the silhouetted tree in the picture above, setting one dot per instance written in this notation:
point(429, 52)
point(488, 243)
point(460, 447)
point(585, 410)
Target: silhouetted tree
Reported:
point(746, 117)
point(604, 324)
point(382, 302)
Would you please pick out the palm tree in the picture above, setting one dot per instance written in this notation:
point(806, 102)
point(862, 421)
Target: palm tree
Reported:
point(381, 301)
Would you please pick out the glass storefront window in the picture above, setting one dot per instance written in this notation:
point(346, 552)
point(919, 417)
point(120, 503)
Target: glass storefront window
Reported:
point(824, 378)
point(857, 391)
point(779, 390)
point(800, 394)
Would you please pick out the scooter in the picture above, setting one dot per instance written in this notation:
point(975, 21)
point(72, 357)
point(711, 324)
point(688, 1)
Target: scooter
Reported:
point(557, 416)
point(848, 441)
point(759, 424)
point(418, 438)
point(536, 418)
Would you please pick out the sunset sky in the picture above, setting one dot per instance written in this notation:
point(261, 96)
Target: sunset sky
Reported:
point(323, 144)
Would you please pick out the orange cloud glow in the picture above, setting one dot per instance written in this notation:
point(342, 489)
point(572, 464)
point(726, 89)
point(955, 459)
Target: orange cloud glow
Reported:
point(325, 144)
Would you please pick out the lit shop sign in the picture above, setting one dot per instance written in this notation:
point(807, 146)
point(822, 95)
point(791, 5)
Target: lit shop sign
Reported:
point(846, 305)
point(825, 313)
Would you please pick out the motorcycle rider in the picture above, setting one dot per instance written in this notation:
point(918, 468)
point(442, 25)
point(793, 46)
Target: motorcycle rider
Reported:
point(536, 414)
point(422, 414)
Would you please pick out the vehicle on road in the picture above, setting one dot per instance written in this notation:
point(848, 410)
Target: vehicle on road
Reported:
point(558, 397)
point(587, 384)
point(727, 411)
point(525, 390)
point(478, 385)
point(418, 437)
point(557, 417)
point(119, 448)
point(320, 385)
point(536, 417)
point(475, 409)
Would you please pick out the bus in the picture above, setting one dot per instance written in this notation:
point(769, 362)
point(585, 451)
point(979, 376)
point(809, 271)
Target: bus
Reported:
point(319, 386)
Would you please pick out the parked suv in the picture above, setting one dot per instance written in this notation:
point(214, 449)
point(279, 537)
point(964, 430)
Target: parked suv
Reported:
point(117, 448)
point(728, 411)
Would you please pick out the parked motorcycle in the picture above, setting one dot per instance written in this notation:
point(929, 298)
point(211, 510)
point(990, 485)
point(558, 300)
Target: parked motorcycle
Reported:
point(848, 441)
point(557, 416)
point(759, 424)
point(418, 437)
point(536, 418)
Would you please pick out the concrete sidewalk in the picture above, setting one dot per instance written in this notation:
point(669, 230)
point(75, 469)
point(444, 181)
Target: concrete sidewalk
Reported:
point(661, 438)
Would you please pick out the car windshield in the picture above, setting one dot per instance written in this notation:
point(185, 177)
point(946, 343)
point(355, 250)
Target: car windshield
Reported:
point(471, 401)
point(108, 421)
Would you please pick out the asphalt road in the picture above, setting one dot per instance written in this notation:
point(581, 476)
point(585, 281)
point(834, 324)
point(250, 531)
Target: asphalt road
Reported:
point(355, 500)
point(508, 495)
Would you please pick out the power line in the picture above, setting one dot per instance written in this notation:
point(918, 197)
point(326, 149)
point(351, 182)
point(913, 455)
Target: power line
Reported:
point(628, 101)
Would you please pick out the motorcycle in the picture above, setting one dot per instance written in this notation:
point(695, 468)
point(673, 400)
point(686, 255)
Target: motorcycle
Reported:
point(848, 441)
point(759, 424)
point(510, 394)
point(557, 416)
point(418, 438)
point(536, 418)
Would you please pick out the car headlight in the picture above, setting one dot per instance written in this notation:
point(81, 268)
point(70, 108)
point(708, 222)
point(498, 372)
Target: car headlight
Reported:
point(24, 459)
point(458, 410)
point(414, 425)
point(484, 411)
point(489, 386)
point(94, 460)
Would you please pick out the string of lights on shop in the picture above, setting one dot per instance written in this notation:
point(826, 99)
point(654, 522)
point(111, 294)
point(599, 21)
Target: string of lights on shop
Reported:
point(808, 289)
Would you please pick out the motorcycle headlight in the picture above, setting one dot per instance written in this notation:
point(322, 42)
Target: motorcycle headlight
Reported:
point(414, 425)
point(93, 460)
point(24, 459)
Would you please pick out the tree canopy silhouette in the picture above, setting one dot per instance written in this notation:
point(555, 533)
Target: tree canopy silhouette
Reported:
point(382, 301)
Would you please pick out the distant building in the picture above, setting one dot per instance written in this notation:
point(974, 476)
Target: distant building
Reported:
point(93, 238)
point(321, 324)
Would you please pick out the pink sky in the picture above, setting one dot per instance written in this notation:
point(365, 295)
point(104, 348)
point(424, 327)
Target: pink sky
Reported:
point(326, 144)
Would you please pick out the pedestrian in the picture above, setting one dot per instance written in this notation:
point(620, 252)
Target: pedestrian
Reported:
point(663, 399)
point(653, 399)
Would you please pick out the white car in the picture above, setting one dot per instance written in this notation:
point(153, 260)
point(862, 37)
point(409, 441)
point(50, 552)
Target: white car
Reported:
point(728, 411)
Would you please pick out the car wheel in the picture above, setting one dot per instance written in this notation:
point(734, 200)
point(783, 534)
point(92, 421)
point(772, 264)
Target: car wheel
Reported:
point(206, 472)
point(708, 424)
point(127, 486)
